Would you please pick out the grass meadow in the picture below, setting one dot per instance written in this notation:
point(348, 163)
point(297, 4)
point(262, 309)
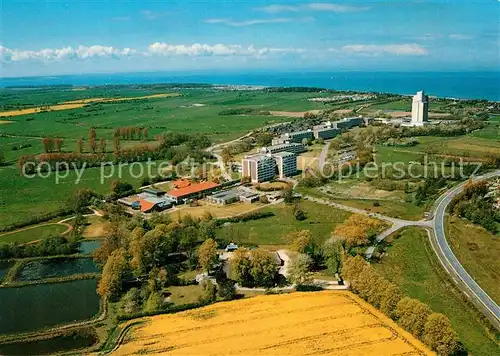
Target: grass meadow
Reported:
point(33, 233)
point(412, 265)
point(321, 221)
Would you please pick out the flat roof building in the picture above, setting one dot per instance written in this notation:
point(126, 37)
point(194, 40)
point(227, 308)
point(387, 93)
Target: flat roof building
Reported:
point(223, 197)
point(285, 147)
point(286, 163)
point(349, 122)
point(298, 136)
point(259, 168)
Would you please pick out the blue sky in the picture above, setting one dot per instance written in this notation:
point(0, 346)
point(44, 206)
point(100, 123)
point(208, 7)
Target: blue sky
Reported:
point(43, 37)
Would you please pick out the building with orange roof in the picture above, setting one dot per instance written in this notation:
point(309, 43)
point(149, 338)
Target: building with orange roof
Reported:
point(192, 191)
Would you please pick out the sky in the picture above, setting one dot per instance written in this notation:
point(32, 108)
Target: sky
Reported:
point(51, 37)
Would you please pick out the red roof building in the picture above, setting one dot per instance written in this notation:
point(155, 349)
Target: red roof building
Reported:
point(193, 190)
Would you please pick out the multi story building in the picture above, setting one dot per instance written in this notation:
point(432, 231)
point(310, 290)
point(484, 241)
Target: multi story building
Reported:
point(286, 163)
point(420, 109)
point(325, 131)
point(259, 168)
point(349, 122)
point(298, 136)
point(284, 147)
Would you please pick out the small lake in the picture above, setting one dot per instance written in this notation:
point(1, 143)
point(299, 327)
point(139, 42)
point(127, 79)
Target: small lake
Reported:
point(55, 267)
point(25, 309)
point(74, 340)
point(89, 246)
point(4, 268)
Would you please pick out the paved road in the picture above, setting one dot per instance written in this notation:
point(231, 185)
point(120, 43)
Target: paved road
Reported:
point(396, 224)
point(451, 264)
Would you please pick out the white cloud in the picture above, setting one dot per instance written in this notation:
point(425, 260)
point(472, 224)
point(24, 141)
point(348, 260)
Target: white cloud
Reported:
point(199, 50)
point(234, 23)
point(315, 6)
point(152, 15)
point(49, 54)
point(274, 9)
point(408, 49)
point(321, 6)
point(458, 36)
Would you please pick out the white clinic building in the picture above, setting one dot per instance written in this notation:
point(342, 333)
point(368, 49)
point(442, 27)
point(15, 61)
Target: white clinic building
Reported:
point(420, 109)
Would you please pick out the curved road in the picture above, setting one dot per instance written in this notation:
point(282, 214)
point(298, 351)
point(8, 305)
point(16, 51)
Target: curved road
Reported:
point(451, 264)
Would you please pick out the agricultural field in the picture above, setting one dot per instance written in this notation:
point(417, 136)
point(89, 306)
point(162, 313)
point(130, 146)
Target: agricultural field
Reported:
point(271, 231)
point(411, 263)
point(217, 211)
point(37, 232)
point(478, 251)
point(287, 324)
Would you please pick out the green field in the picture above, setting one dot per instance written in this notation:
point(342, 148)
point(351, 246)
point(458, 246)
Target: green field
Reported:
point(412, 265)
point(478, 251)
point(33, 233)
point(321, 221)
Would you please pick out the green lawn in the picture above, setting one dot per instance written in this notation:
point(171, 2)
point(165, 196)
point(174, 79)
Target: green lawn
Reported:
point(412, 265)
point(478, 251)
point(185, 294)
point(34, 233)
point(321, 220)
point(395, 209)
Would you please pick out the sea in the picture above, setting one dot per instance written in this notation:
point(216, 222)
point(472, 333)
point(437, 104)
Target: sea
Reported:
point(461, 85)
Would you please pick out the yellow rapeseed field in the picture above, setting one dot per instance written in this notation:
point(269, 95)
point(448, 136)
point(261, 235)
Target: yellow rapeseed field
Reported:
point(326, 323)
point(75, 104)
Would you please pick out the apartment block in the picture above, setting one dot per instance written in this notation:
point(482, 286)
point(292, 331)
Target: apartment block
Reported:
point(284, 147)
point(286, 163)
point(259, 168)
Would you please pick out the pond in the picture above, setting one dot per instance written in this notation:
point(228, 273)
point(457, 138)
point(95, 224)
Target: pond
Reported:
point(55, 267)
point(4, 268)
point(74, 340)
point(89, 246)
point(25, 309)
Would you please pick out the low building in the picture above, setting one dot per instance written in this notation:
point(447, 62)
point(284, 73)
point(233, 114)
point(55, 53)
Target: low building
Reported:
point(192, 191)
point(286, 163)
point(248, 197)
point(224, 197)
point(285, 147)
point(147, 202)
point(259, 168)
point(154, 191)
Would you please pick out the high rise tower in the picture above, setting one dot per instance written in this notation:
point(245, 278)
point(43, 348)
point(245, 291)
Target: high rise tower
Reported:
point(420, 109)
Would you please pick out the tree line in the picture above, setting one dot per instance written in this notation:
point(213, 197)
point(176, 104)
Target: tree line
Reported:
point(434, 329)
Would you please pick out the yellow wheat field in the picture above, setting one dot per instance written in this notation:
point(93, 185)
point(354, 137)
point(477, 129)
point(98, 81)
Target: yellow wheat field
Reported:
point(75, 104)
point(326, 323)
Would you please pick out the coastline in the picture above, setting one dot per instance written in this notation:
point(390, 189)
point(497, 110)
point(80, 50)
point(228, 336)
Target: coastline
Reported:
point(445, 85)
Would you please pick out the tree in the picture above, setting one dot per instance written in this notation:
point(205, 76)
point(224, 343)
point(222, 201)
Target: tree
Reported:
point(131, 301)
point(226, 290)
point(58, 143)
point(92, 140)
point(263, 268)
point(287, 195)
point(301, 240)
point(334, 255)
point(209, 291)
point(116, 146)
point(353, 266)
point(102, 145)
point(79, 145)
point(145, 133)
point(412, 315)
point(2, 159)
point(263, 199)
point(48, 144)
point(81, 199)
point(440, 336)
point(299, 272)
point(390, 298)
point(357, 229)
point(120, 188)
point(226, 155)
point(113, 275)
point(241, 266)
point(207, 254)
